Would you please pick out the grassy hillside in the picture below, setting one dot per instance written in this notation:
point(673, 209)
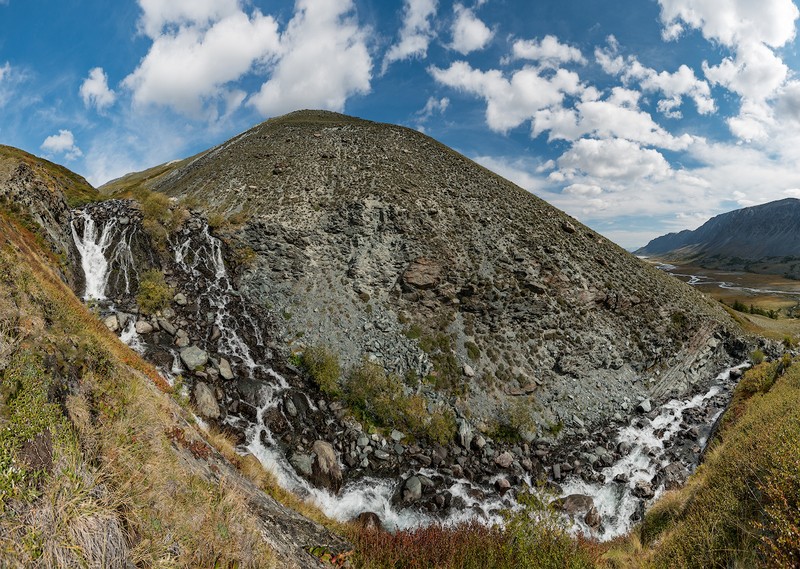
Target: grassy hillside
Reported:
point(76, 189)
point(99, 466)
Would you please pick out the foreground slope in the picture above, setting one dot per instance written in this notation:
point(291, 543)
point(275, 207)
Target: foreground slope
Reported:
point(376, 241)
point(99, 466)
point(763, 238)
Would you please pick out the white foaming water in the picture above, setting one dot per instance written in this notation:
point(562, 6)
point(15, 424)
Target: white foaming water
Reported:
point(96, 260)
point(615, 501)
point(130, 337)
point(219, 293)
point(92, 248)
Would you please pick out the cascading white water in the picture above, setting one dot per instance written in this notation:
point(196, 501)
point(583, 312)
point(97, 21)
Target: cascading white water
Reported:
point(92, 248)
point(616, 501)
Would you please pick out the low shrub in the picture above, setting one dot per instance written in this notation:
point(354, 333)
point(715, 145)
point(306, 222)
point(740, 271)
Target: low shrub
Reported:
point(154, 292)
point(322, 365)
point(380, 399)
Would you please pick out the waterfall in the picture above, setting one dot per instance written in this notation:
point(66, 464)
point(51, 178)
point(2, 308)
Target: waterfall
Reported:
point(100, 251)
point(92, 248)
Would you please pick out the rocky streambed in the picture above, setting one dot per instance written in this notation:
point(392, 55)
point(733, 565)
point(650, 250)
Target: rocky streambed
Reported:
point(233, 370)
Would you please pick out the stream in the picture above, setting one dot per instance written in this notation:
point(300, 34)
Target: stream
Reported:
point(648, 445)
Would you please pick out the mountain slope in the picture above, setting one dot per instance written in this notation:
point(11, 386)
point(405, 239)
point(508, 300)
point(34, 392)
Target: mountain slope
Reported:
point(378, 242)
point(771, 230)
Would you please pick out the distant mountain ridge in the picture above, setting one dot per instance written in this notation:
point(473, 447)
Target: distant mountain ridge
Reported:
point(751, 234)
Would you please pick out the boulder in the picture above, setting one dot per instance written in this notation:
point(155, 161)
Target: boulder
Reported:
point(167, 326)
point(643, 489)
point(592, 518)
point(193, 357)
point(205, 401)
point(369, 521)
point(225, 369)
point(502, 485)
point(111, 322)
point(325, 468)
point(468, 371)
point(644, 406)
point(397, 436)
point(180, 299)
point(143, 327)
point(302, 464)
point(574, 503)
point(412, 489)
point(504, 459)
point(182, 339)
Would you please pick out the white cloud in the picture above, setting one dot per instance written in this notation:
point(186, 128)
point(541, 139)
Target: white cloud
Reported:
point(509, 103)
point(415, 34)
point(673, 86)
point(549, 51)
point(323, 60)
point(589, 190)
point(610, 159)
point(95, 92)
point(161, 14)
point(752, 31)
point(62, 143)
point(469, 33)
point(188, 68)
point(433, 105)
point(5, 69)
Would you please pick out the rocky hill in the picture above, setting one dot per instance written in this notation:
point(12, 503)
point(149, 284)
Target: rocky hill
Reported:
point(759, 237)
point(377, 242)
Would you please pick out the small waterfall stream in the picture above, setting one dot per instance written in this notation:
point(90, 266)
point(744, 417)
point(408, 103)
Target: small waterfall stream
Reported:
point(234, 332)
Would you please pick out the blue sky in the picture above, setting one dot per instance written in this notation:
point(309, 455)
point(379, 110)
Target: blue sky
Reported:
point(638, 117)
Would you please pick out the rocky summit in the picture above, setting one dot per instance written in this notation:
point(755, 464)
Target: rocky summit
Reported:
point(377, 242)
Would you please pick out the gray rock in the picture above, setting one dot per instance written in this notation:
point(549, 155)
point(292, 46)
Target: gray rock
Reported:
point(205, 401)
point(397, 436)
point(225, 369)
point(412, 490)
point(326, 472)
point(180, 299)
point(182, 339)
point(468, 371)
point(504, 459)
point(111, 322)
point(574, 503)
point(302, 463)
point(556, 472)
point(143, 327)
point(478, 442)
point(399, 449)
point(502, 485)
point(381, 455)
point(193, 357)
point(643, 489)
point(167, 326)
point(363, 441)
point(288, 404)
point(592, 518)
point(644, 406)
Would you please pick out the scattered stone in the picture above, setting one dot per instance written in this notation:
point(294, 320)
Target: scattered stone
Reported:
point(478, 443)
point(644, 406)
point(167, 326)
point(225, 369)
point(502, 485)
point(468, 371)
point(182, 339)
point(363, 441)
point(180, 299)
point(568, 227)
point(556, 472)
point(422, 274)
point(369, 521)
point(381, 455)
point(143, 327)
point(193, 357)
point(397, 436)
point(205, 401)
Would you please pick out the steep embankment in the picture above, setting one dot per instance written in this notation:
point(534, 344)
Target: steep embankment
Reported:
point(99, 466)
point(379, 242)
point(763, 238)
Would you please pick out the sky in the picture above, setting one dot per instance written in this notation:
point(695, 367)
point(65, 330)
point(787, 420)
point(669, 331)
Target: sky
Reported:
point(637, 117)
